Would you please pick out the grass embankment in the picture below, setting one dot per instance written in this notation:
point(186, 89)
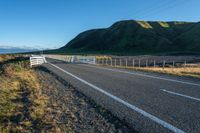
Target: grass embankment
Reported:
point(22, 104)
point(192, 70)
point(183, 71)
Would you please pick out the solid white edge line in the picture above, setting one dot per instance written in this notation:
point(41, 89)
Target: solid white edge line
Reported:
point(138, 110)
point(144, 75)
point(182, 95)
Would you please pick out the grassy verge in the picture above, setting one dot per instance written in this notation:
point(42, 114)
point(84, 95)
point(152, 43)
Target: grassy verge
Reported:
point(22, 105)
point(187, 71)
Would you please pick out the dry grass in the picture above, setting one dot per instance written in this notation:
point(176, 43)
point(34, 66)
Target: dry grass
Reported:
point(186, 71)
point(5, 57)
point(22, 105)
point(103, 57)
point(191, 70)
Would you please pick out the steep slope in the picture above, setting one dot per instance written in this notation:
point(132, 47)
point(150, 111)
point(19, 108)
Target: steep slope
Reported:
point(139, 36)
point(189, 40)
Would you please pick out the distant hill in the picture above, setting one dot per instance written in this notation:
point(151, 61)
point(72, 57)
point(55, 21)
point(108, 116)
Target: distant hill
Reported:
point(134, 37)
point(11, 50)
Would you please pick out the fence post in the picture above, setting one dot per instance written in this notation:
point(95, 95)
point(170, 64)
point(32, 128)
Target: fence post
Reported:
point(96, 61)
point(146, 63)
point(133, 63)
point(185, 64)
point(111, 62)
point(163, 65)
point(126, 62)
point(120, 62)
point(139, 63)
point(115, 62)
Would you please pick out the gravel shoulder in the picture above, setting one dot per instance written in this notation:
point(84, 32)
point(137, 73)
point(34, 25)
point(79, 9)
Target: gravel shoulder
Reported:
point(72, 111)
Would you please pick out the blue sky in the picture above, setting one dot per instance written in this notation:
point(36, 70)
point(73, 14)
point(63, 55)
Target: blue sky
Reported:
point(53, 23)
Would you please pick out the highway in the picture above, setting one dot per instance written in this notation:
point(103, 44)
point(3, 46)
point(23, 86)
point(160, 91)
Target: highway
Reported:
point(149, 102)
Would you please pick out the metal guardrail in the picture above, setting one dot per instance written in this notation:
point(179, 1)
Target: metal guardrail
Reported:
point(74, 58)
point(37, 60)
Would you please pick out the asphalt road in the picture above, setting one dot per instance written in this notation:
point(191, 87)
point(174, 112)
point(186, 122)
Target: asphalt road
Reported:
point(149, 102)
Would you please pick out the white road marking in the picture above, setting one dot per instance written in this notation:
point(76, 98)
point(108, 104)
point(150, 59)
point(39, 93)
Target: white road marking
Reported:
point(144, 75)
point(182, 95)
point(138, 110)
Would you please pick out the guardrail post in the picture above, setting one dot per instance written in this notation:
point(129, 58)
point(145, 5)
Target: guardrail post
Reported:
point(133, 63)
point(111, 62)
point(154, 63)
point(126, 62)
point(115, 62)
point(173, 64)
point(106, 61)
point(120, 62)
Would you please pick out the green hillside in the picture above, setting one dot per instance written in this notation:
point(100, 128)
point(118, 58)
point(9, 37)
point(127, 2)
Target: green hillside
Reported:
point(134, 37)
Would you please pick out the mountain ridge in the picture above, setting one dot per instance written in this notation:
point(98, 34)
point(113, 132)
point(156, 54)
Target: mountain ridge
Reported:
point(12, 50)
point(139, 36)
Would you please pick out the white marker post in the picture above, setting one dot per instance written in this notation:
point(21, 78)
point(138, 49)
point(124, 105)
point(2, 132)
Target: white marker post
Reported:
point(139, 63)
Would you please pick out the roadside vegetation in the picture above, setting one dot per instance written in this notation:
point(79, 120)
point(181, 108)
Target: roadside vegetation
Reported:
point(187, 71)
point(22, 105)
point(36, 100)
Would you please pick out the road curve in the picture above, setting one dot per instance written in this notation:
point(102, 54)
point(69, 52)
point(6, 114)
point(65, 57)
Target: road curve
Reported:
point(149, 102)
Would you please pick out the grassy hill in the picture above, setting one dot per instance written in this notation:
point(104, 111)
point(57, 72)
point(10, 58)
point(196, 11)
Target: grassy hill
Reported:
point(138, 37)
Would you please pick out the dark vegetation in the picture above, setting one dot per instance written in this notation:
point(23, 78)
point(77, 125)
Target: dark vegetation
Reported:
point(137, 37)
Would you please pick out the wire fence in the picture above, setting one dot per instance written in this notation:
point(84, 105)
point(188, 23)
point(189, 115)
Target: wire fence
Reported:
point(130, 62)
point(139, 62)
